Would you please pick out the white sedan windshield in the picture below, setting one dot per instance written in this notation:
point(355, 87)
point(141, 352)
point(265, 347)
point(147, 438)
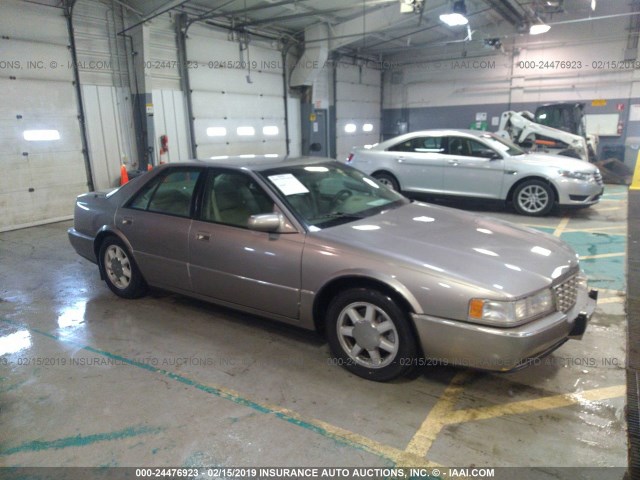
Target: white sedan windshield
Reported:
point(502, 145)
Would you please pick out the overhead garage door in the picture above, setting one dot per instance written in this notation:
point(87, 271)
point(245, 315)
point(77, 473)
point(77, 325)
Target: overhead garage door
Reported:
point(237, 97)
point(357, 108)
point(40, 144)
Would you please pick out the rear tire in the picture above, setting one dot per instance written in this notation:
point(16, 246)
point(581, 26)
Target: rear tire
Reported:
point(370, 335)
point(119, 269)
point(387, 180)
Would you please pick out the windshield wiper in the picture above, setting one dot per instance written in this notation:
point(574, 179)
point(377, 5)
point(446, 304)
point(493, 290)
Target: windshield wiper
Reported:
point(341, 215)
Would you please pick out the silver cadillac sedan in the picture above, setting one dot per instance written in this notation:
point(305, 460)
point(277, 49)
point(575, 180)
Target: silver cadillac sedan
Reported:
point(393, 284)
point(469, 163)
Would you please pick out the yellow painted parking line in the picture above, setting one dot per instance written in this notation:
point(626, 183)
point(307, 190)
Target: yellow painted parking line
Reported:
point(421, 442)
point(606, 291)
point(561, 226)
point(635, 183)
point(610, 209)
point(365, 443)
point(603, 255)
point(539, 404)
point(603, 301)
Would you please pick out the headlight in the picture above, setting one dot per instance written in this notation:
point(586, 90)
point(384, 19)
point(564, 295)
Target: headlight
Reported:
point(509, 314)
point(585, 176)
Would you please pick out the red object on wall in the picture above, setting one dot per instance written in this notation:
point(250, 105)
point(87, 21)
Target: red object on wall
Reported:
point(164, 144)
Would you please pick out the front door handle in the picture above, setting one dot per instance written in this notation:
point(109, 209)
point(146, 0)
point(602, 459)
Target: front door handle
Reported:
point(455, 163)
point(203, 237)
point(400, 159)
point(127, 220)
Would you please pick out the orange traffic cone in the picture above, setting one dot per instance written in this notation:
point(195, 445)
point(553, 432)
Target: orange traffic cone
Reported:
point(124, 176)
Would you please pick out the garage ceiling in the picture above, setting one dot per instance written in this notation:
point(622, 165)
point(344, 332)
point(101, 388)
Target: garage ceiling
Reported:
point(377, 28)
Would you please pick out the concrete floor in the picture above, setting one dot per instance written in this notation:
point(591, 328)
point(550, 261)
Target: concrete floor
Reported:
point(88, 379)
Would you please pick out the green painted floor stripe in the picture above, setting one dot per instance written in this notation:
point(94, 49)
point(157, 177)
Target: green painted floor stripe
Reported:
point(214, 391)
point(78, 440)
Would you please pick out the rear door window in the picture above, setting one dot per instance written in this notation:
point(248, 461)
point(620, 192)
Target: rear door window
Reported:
point(420, 145)
point(171, 194)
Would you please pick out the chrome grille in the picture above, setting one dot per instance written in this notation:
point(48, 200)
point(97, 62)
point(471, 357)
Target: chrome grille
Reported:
point(566, 294)
point(598, 178)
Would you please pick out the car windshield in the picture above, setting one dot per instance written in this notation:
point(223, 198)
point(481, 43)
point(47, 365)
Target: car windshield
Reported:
point(328, 194)
point(502, 145)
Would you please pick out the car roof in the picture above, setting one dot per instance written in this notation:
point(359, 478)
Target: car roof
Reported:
point(433, 133)
point(257, 163)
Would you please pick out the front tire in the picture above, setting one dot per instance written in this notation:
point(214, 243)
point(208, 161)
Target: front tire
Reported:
point(370, 335)
point(533, 197)
point(119, 270)
point(387, 180)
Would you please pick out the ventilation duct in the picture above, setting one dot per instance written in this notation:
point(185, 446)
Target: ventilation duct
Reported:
point(313, 59)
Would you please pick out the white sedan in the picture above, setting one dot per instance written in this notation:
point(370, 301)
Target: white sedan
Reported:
point(477, 164)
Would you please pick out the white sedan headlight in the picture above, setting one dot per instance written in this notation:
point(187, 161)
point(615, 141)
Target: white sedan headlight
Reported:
point(584, 176)
point(509, 314)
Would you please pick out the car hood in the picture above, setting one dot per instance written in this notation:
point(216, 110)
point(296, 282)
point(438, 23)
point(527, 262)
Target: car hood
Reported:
point(560, 162)
point(494, 255)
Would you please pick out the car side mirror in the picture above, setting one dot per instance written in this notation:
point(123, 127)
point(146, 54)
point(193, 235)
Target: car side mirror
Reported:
point(265, 222)
point(491, 155)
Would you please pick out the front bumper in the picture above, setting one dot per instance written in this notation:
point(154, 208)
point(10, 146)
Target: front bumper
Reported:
point(577, 192)
point(502, 349)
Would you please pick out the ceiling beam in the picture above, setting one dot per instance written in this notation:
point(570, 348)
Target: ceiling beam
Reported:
point(507, 11)
point(373, 22)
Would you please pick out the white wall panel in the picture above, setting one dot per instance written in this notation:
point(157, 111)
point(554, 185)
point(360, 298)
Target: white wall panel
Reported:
point(104, 75)
point(161, 54)
point(26, 21)
point(231, 80)
point(232, 105)
point(295, 127)
point(35, 60)
point(233, 89)
point(504, 79)
point(358, 103)
point(45, 176)
point(109, 135)
point(170, 118)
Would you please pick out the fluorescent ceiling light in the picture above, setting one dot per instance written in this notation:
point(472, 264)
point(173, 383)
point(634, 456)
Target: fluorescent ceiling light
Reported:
point(538, 29)
point(453, 19)
point(270, 130)
point(457, 17)
point(271, 155)
point(367, 127)
point(40, 135)
point(350, 127)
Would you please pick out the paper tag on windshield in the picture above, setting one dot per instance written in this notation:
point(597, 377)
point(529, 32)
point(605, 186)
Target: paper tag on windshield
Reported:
point(288, 184)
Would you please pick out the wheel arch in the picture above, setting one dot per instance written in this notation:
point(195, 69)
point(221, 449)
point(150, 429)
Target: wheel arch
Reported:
point(389, 173)
point(332, 288)
point(532, 177)
point(102, 234)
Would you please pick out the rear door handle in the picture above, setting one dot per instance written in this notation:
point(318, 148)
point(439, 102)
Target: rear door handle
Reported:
point(400, 159)
point(455, 163)
point(127, 220)
point(203, 237)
